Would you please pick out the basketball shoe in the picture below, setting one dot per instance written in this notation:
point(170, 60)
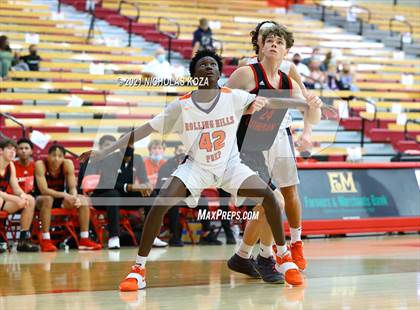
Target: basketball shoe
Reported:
point(297, 254)
point(135, 280)
point(286, 266)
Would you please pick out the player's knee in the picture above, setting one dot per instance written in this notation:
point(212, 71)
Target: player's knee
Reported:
point(270, 199)
point(45, 202)
point(290, 194)
point(31, 203)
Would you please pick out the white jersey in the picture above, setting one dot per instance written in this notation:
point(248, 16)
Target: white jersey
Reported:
point(284, 67)
point(207, 130)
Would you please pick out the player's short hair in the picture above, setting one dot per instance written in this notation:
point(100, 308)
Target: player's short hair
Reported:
point(254, 33)
point(55, 147)
point(4, 143)
point(155, 143)
point(202, 54)
point(105, 138)
point(281, 32)
point(25, 140)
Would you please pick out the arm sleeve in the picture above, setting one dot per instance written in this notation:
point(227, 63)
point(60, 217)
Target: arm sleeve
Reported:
point(242, 99)
point(170, 120)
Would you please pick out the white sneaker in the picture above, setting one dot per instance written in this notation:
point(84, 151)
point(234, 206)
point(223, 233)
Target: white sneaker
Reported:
point(114, 243)
point(159, 243)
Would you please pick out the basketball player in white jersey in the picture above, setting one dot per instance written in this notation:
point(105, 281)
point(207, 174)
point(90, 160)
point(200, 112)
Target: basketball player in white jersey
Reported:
point(283, 171)
point(207, 121)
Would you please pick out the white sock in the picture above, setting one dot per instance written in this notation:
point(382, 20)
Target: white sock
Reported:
point(141, 260)
point(266, 250)
point(281, 250)
point(46, 236)
point(84, 234)
point(244, 250)
point(295, 234)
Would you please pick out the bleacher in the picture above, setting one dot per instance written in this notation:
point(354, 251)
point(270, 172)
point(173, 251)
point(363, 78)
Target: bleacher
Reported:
point(75, 107)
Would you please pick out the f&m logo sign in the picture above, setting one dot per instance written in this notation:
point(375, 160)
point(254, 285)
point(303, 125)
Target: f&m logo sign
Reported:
point(341, 182)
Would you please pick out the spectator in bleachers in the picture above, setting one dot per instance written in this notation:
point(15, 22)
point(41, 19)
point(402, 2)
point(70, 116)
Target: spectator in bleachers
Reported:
point(55, 186)
point(159, 67)
point(25, 166)
point(32, 59)
point(202, 37)
point(122, 175)
point(346, 78)
point(314, 56)
point(302, 69)
point(18, 201)
point(332, 77)
point(6, 57)
point(328, 60)
point(155, 160)
point(316, 78)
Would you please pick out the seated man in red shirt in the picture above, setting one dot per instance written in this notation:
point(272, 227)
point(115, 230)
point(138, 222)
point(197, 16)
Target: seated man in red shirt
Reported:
point(25, 166)
point(55, 185)
point(17, 200)
point(154, 161)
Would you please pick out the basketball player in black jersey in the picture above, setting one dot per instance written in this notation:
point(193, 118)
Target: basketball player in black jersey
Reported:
point(18, 200)
point(55, 185)
point(258, 132)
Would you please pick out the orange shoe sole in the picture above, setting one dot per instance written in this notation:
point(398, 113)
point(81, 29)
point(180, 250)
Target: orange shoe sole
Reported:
point(293, 277)
point(129, 285)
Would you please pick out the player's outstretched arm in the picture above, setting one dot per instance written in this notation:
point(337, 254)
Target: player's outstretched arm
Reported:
point(241, 78)
point(313, 114)
point(138, 134)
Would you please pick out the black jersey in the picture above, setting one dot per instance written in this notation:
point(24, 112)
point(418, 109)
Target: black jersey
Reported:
point(258, 131)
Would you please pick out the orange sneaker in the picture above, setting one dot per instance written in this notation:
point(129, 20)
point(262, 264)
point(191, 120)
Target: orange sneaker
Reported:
point(47, 245)
point(88, 244)
point(297, 254)
point(286, 266)
point(136, 280)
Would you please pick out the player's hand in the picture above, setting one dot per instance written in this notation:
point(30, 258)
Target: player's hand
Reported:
point(258, 104)
point(144, 189)
point(70, 199)
point(92, 155)
point(78, 203)
point(22, 203)
point(304, 142)
point(314, 101)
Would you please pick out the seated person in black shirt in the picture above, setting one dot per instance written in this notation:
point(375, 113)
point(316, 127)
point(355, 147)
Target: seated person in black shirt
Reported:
point(122, 175)
point(33, 59)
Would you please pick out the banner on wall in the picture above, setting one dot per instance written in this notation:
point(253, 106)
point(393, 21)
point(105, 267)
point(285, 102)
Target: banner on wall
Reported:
point(358, 193)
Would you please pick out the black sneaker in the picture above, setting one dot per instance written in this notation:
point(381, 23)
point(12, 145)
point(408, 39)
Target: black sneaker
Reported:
point(25, 245)
point(244, 265)
point(266, 268)
point(210, 239)
point(230, 240)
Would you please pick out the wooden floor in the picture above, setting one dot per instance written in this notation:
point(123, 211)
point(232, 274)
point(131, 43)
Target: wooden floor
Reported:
point(346, 273)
